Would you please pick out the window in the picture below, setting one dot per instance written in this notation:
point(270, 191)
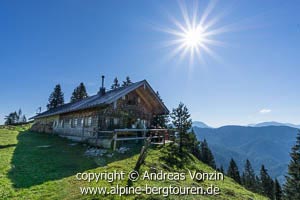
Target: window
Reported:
point(88, 121)
point(54, 123)
point(75, 123)
point(107, 121)
point(116, 121)
point(132, 100)
point(62, 123)
point(144, 123)
point(70, 122)
point(79, 122)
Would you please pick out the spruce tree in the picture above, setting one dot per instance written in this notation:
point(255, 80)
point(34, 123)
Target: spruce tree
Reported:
point(15, 118)
point(248, 177)
point(221, 169)
point(291, 187)
point(11, 119)
point(192, 144)
point(19, 116)
point(266, 183)
point(257, 184)
point(115, 84)
point(56, 98)
point(24, 119)
point(233, 171)
point(277, 190)
point(160, 121)
point(206, 154)
point(79, 93)
point(182, 121)
point(127, 82)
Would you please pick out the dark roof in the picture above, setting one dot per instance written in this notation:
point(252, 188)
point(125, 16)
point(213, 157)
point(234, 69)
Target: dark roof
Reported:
point(98, 100)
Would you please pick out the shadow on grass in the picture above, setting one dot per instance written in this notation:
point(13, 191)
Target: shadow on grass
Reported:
point(7, 146)
point(41, 157)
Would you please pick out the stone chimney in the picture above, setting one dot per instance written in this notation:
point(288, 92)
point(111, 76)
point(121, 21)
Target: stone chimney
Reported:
point(102, 88)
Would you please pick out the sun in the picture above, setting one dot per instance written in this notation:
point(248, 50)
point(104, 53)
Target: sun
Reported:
point(193, 35)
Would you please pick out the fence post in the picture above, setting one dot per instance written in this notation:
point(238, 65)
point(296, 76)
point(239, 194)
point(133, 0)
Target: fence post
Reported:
point(115, 140)
point(96, 143)
point(164, 135)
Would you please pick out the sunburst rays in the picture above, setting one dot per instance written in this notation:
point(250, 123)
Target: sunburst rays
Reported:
point(195, 33)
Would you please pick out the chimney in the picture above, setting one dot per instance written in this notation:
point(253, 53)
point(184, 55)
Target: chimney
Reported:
point(102, 88)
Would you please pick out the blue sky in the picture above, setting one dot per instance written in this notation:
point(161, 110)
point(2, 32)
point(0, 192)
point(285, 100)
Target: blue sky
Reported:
point(254, 79)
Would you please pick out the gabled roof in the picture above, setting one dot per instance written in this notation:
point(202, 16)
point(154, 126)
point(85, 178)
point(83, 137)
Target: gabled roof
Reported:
point(101, 100)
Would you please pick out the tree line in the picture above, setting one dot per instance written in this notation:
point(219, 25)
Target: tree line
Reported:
point(56, 98)
point(262, 184)
point(14, 118)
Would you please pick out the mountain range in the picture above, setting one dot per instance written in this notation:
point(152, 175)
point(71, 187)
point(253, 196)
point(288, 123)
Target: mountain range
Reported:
point(264, 143)
point(200, 124)
point(274, 124)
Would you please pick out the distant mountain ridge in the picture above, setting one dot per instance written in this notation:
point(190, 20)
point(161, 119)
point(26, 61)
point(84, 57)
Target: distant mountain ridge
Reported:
point(269, 145)
point(273, 123)
point(200, 124)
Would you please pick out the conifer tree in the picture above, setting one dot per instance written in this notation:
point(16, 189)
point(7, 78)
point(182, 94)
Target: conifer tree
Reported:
point(115, 84)
point(257, 184)
point(19, 115)
point(127, 82)
point(277, 190)
point(160, 121)
point(15, 118)
point(24, 119)
point(182, 121)
point(56, 98)
point(266, 183)
point(292, 184)
point(222, 169)
point(233, 171)
point(192, 144)
point(79, 93)
point(12, 118)
point(248, 177)
point(206, 154)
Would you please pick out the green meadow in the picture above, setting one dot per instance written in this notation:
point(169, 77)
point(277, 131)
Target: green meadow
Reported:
point(42, 166)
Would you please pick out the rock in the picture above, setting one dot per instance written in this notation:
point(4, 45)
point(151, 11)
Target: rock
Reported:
point(122, 150)
point(95, 152)
point(110, 155)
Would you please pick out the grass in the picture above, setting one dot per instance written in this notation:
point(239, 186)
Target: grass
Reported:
point(42, 166)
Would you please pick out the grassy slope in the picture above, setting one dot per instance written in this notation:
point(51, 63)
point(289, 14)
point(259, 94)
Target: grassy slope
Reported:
point(28, 171)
